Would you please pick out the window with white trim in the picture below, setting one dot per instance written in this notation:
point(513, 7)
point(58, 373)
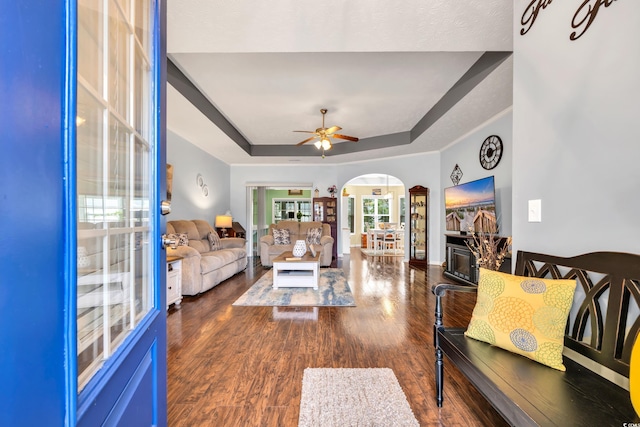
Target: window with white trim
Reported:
point(375, 209)
point(351, 214)
point(288, 209)
point(401, 209)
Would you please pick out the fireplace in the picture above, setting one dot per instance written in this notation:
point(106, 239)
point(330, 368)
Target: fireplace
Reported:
point(460, 263)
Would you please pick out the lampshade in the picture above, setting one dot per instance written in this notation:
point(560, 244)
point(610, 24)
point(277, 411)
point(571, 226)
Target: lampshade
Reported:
point(318, 144)
point(326, 144)
point(224, 221)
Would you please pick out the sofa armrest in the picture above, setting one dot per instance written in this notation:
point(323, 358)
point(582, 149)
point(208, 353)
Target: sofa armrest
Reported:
point(268, 239)
point(191, 277)
point(326, 243)
point(233, 242)
point(183, 251)
point(326, 239)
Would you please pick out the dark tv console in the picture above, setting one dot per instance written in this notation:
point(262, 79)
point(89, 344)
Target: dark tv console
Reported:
point(460, 262)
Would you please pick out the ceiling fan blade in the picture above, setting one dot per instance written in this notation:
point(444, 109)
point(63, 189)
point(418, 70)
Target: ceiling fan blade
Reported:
point(332, 129)
point(347, 137)
point(304, 131)
point(305, 141)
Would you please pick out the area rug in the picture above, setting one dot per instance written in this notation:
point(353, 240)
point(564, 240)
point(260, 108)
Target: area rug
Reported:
point(333, 290)
point(353, 397)
point(386, 252)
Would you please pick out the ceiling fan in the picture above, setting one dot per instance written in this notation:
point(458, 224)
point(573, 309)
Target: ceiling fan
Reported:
point(324, 134)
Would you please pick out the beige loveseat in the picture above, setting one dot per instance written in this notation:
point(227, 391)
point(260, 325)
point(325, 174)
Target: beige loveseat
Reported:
point(297, 231)
point(202, 268)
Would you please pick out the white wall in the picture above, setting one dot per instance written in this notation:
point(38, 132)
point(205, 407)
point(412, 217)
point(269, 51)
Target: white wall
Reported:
point(576, 130)
point(465, 153)
point(421, 169)
point(188, 201)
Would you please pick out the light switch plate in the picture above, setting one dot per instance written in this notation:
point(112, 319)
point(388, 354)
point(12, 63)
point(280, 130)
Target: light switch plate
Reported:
point(535, 210)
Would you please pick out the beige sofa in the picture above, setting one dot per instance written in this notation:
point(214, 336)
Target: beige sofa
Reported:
point(297, 231)
point(202, 268)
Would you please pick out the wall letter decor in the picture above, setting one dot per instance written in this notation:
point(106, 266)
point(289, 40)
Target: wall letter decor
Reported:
point(582, 19)
point(585, 15)
point(531, 13)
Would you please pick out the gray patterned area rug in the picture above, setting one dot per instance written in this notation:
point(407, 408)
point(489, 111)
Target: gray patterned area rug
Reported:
point(333, 290)
point(353, 397)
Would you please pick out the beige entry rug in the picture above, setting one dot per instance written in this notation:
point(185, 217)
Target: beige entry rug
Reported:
point(353, 397)
point(333, 290)
point(379, 252)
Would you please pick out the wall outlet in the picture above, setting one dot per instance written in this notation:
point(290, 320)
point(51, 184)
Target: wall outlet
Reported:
point(535, 210)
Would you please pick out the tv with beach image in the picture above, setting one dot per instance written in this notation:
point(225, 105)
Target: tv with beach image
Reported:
point(471, 207)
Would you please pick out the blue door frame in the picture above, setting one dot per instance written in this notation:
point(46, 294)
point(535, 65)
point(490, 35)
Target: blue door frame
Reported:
point(38, 255)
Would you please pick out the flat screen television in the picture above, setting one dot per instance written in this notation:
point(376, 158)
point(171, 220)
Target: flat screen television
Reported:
point(471, 206)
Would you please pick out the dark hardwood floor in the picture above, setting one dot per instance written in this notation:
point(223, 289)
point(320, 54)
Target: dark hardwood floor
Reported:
point(242, 366)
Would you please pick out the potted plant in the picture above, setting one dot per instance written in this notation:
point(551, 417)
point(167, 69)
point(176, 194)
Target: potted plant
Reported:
point(299, 216)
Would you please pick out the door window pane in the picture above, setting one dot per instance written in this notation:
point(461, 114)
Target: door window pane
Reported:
point(142, 24)
point(91, 42)
point(114, 178)
point(141, 94)
point(119, 53)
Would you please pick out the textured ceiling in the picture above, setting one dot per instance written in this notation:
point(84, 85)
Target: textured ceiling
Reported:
point(268, 68)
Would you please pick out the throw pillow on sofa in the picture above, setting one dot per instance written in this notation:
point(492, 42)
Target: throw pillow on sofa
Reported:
point(525, 315)
point(281, 237)
point(180, 238)
point(313, 236)
point(214, 241)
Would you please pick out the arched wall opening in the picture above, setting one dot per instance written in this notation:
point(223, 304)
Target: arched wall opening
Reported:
point(366, 201)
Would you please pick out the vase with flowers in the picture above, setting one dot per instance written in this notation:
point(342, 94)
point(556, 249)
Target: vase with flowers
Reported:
point(332, 190)
point(488, 248)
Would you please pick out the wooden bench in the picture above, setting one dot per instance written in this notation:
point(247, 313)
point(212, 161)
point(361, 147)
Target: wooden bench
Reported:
point(601, 330)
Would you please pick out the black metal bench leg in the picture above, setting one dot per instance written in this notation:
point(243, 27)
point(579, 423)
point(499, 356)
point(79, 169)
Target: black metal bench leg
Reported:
point(439, 376)
point(439, 361)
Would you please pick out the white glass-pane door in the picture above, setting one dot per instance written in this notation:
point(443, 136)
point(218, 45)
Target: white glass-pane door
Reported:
point(114, 154)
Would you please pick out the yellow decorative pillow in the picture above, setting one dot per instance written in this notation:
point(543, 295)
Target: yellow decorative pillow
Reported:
point(524, 315)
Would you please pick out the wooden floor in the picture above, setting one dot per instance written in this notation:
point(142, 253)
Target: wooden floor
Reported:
point(242, 366)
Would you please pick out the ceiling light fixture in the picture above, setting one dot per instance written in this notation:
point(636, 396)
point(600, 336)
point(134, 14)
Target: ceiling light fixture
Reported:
point(389, 195)
point(326, 144)
point(324, 135)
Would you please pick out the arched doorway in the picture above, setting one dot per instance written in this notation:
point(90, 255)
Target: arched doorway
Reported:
point(368, 200)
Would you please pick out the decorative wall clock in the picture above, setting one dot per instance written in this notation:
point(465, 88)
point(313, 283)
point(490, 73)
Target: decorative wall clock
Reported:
point(491, 152)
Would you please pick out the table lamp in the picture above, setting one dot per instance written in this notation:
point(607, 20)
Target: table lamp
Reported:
point(223, 222)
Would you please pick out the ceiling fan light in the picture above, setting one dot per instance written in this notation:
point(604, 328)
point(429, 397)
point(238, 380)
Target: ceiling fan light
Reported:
point(318, 144)
point(326, 144)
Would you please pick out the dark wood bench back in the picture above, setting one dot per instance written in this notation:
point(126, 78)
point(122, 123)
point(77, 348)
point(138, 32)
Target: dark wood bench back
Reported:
point(604, 321)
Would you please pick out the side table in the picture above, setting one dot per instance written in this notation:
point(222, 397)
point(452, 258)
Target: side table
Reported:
point(174, 281)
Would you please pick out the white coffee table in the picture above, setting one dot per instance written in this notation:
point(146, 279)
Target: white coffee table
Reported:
point(303, 273)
